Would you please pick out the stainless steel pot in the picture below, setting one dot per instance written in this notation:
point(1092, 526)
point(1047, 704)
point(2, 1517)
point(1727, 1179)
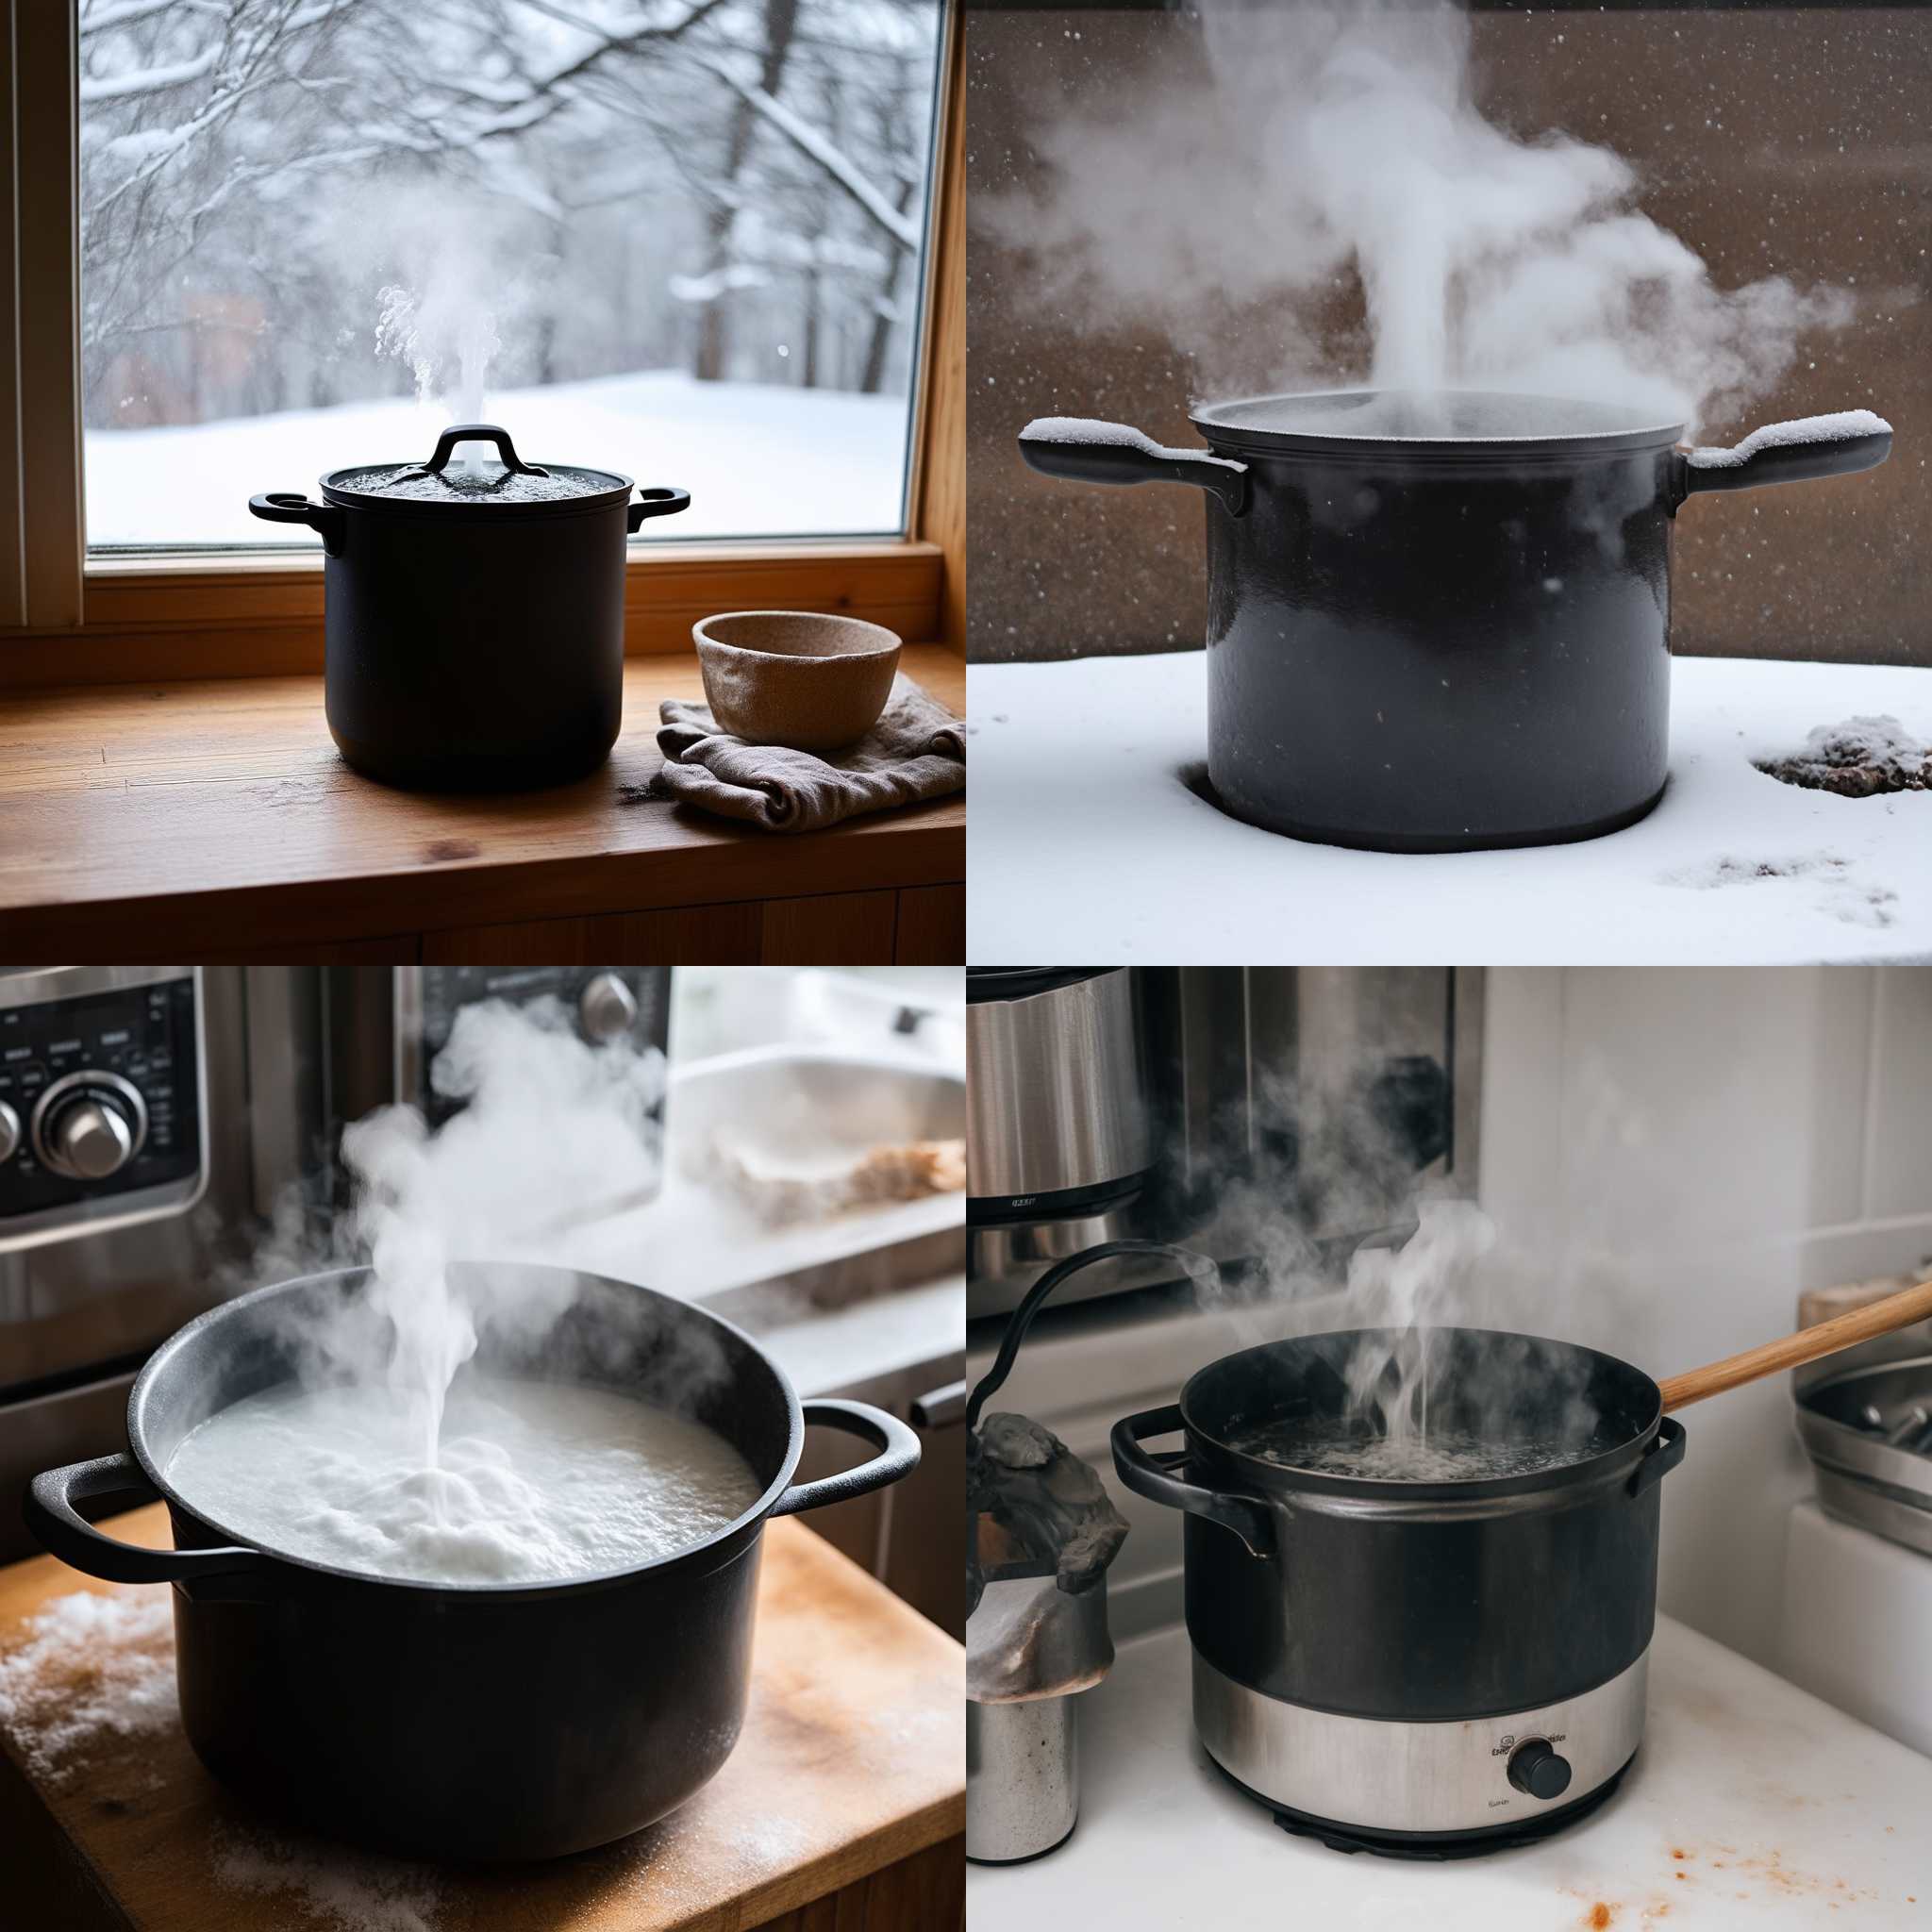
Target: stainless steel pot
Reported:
point(1059, 1118)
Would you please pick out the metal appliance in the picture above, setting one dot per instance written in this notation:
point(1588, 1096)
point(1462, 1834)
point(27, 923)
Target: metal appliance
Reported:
point(150, 1116)
point(1189, 1104)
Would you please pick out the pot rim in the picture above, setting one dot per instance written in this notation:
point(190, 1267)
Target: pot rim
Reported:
point(1274, 1480)
point(745, 1526)
point(344, 496)
point(1220, 423)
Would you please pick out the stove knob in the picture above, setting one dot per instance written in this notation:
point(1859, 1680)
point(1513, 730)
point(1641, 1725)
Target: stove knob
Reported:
point(89, 1125)
point(606, 1006)
point(9, 1130)
point(1535, 1768)
point(89, 1140)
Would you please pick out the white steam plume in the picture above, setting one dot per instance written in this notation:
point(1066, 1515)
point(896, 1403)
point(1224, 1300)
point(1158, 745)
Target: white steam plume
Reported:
point(1339, 138)
point(551, 1126)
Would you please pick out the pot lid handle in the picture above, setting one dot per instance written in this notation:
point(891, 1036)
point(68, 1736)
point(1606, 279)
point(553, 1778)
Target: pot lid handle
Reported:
point(479, 432)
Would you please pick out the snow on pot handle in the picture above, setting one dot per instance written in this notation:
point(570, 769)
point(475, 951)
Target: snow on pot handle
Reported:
point(48, 1507)
point(1154, 1475)
point(1794, 452)
point(1084, 450)
point(898, 1455)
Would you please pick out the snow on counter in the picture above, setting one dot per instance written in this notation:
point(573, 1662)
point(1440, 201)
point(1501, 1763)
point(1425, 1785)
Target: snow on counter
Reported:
point(1087, 844)
point(1751, 1804)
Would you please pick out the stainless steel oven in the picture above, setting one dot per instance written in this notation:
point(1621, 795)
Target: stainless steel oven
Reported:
point(150, 1118)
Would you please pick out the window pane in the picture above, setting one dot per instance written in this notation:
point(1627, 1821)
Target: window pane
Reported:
point(680, 238)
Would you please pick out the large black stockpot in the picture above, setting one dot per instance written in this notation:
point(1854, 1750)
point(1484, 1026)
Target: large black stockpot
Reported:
point(1418, 1663)
point(468, 1721)
point(1438, 624)
point(473, 614)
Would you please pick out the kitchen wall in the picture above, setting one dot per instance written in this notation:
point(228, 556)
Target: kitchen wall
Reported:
point(1679, 1153)
point(1787, 140)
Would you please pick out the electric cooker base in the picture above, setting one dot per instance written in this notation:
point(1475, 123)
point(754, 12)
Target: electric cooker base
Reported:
point(1437, 1847)
point(1439, 1789)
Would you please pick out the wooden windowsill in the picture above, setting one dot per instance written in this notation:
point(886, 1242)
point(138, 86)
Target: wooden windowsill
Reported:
point(214, 819)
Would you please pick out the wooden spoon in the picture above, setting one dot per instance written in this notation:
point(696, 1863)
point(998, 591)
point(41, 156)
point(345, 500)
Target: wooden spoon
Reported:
point(1881, 1317)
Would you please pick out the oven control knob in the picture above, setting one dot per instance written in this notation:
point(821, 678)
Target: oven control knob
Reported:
point(89, 1125)
point(9, 1130)
point(1535, 1768)
point(606, 1006)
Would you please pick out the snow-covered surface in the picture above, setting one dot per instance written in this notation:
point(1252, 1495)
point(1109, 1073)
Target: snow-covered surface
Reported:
point(1086, 845)
point(1838, 428)
point(1089, 430)
point(1751, 1804)
point(759, 460)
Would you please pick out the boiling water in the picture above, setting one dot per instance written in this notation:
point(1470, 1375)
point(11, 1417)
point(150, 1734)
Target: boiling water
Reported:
point(531, 1482)
point(1330, 1445)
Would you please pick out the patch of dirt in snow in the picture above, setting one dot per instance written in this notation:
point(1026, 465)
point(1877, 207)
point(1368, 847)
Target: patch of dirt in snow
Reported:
point(1839, 891)
point(88, 1670)
point(1856, 760)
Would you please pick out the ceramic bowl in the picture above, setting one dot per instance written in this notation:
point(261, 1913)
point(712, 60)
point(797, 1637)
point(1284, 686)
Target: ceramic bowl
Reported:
point(797, 677)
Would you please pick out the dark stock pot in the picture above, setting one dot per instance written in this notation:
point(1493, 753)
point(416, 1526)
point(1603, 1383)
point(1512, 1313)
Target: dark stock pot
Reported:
point(473, 614)
point(1441, 624)
point(473, 1721)
point(1424, 1667)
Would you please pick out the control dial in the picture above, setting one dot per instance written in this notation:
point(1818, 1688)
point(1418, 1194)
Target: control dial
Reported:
point(606, 1006)
point(89, 1125)
point(1534, 1767)
point(9, 1130)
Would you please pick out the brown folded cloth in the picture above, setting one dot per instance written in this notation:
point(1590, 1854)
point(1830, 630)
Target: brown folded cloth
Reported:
point(916, 750)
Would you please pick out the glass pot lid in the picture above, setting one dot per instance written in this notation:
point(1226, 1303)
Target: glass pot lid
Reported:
point(502, 487)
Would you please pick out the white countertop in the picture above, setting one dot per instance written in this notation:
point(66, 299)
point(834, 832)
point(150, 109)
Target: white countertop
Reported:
point(1086, 845)
point(1776, 1810)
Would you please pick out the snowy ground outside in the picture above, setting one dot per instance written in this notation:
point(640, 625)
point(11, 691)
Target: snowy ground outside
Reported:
point(1732, 868)
point(759, 460)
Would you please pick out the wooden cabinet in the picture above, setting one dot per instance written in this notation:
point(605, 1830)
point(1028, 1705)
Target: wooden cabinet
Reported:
point(917, 925)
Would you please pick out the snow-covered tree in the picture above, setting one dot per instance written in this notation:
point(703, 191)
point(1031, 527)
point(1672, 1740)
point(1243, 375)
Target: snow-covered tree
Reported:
point(298, 203)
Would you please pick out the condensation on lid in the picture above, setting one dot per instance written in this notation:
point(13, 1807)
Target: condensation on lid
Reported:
point(1428, 416)
point(480, 483)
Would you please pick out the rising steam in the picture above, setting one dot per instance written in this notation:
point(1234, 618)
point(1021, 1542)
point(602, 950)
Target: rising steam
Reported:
point(1339, 140)
point(552, 1128)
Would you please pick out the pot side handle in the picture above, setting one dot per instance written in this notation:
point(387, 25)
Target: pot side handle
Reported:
point(1793, 452)
point(1080, 450)
point(1664, 1454)
point(898, 1455)
point(1155, 1477)
point(291, 507)
point(48, 1507)
point(656, 503)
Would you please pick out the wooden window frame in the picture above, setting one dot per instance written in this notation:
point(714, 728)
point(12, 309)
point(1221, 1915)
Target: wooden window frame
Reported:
point(66, 618)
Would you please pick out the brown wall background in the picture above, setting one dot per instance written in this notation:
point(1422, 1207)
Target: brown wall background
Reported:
point(1823, 144)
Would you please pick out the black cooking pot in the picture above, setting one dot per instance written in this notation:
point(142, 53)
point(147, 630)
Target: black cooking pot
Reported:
point(468, 1721)
point(473, 615)
point(1441, 623)
point(1432, 1665)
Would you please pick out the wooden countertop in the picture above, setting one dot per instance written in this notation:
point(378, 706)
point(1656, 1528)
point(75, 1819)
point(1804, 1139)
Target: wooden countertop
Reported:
point(853, 1759)
point(189, 818)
